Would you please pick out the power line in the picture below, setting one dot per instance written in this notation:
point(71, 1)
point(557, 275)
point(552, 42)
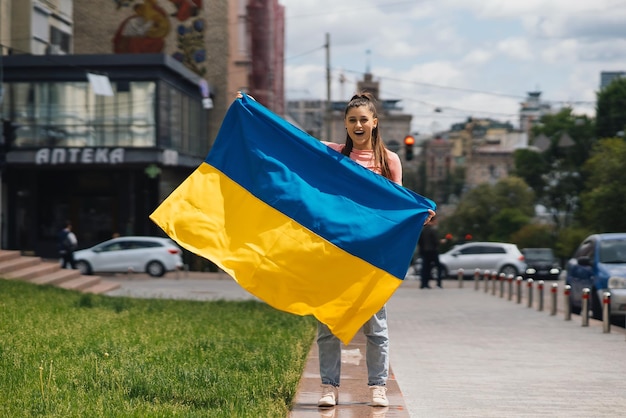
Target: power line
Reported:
point(468, 90)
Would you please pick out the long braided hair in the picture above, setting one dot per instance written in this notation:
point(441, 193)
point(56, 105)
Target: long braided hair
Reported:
point(378, 146)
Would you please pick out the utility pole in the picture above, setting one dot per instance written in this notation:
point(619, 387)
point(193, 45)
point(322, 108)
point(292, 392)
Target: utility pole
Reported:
point(2, 229)
point(328, 102)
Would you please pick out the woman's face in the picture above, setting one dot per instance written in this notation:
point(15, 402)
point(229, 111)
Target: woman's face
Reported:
point(360, 122)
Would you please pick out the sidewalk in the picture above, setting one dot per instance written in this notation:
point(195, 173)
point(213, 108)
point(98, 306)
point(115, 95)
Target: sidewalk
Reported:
point(456, 352)
point(354, 394)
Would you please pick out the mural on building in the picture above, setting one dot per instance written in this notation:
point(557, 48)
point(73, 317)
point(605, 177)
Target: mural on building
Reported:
point(186, 8)
point(146, 30)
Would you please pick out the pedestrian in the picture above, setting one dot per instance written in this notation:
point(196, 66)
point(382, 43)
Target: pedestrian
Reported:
point(364, 145)
point(429, 251)
point(67, 246)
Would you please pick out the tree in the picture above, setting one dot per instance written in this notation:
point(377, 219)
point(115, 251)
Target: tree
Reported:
point(553, 170)
point(492, 211)
point(534, 236)
point(531, 166)
point(611, 109)
point(604, 198)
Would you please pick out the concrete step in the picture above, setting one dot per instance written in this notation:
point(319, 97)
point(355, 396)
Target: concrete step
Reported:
point(8, 255)
point(57, 277)
point(18, 263)
point(15, 266)
point(80, 283)
point(102, 287)
point(32, 272)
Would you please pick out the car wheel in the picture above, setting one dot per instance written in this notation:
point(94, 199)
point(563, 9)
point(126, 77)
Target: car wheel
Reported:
point(84, 267)
point(596, 306)
point(509, 270)
point(155, 269)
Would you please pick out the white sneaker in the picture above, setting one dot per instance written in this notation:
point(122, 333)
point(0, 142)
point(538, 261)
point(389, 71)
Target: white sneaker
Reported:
point(329, 396)
point(379, 396)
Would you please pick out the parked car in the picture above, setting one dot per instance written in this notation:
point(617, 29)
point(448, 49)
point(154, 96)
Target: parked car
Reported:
point(541, 264)
point(493, 256)
point(599, 264)
point(152, 255)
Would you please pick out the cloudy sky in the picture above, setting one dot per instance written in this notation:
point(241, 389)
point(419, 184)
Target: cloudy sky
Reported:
point(450, 59)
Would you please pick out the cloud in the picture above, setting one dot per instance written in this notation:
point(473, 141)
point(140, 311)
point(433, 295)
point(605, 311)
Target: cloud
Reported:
point(516, 48)
point(464, 57)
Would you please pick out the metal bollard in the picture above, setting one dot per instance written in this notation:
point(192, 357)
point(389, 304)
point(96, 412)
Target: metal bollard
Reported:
point(530, 293)
point(540, 295)
point(584, 311)
point(553, 294)
point(502, 278)
point(606, 312)
point(519, 281)
point(476, 278)
point(509, 279)
point(494, 281)
point(486, 280)
point(567, 305)
point(460, 277)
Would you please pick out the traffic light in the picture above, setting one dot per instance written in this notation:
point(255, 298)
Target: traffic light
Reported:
point(409, 141)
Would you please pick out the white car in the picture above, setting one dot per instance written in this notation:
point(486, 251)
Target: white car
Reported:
point(152, 255)
point(493, 256)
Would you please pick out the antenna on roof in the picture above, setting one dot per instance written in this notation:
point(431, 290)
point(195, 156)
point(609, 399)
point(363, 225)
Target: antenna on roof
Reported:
point(367, 61)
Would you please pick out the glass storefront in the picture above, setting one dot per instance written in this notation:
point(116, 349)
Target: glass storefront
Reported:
point(68, 114)
point(102, 162)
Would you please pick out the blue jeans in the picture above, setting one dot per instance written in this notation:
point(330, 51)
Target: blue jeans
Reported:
point(376, 352)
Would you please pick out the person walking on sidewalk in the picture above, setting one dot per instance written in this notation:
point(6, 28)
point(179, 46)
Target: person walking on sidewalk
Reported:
point(67, 246)
point(429, 251)
point(365, 146)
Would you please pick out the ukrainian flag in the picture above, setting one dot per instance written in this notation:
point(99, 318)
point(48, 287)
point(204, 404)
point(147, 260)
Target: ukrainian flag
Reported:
point(295, 223)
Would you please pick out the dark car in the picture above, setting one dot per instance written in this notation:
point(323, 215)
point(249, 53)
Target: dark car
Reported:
point(541, 264)
point(599, 264)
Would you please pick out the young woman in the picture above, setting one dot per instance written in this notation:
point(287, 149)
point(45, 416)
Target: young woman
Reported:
point(365, 146)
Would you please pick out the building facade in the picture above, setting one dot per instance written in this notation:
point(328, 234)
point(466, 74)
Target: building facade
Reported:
point(532, 110)
point(438, 166)
point(606, 77)
point(310, 116)
point(105, 162)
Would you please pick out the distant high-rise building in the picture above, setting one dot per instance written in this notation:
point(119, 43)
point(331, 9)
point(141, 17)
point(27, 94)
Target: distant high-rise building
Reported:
point(606, 77)
point(532, 110)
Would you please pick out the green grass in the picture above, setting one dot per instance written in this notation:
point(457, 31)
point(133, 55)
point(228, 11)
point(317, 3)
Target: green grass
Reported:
point(67, 354)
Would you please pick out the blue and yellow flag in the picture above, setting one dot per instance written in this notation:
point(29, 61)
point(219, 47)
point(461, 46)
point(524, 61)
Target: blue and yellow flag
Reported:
point(295, 223)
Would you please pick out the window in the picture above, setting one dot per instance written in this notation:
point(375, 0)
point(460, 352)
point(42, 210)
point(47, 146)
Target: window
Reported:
point(585, 249)
point(473, 249)
point(68, 114)
point(59, 41)
point(137, 245)
point(493, 250)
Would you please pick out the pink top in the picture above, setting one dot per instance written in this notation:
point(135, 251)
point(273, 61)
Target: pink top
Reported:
point(366, 159)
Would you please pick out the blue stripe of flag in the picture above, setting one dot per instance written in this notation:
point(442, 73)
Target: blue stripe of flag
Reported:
point(357, 210)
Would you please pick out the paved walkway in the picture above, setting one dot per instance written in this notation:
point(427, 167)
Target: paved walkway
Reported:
point(456, 352)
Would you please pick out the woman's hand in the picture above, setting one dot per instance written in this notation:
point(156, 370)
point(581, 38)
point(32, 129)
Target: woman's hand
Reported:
point(431, 215)
point(240, 96)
